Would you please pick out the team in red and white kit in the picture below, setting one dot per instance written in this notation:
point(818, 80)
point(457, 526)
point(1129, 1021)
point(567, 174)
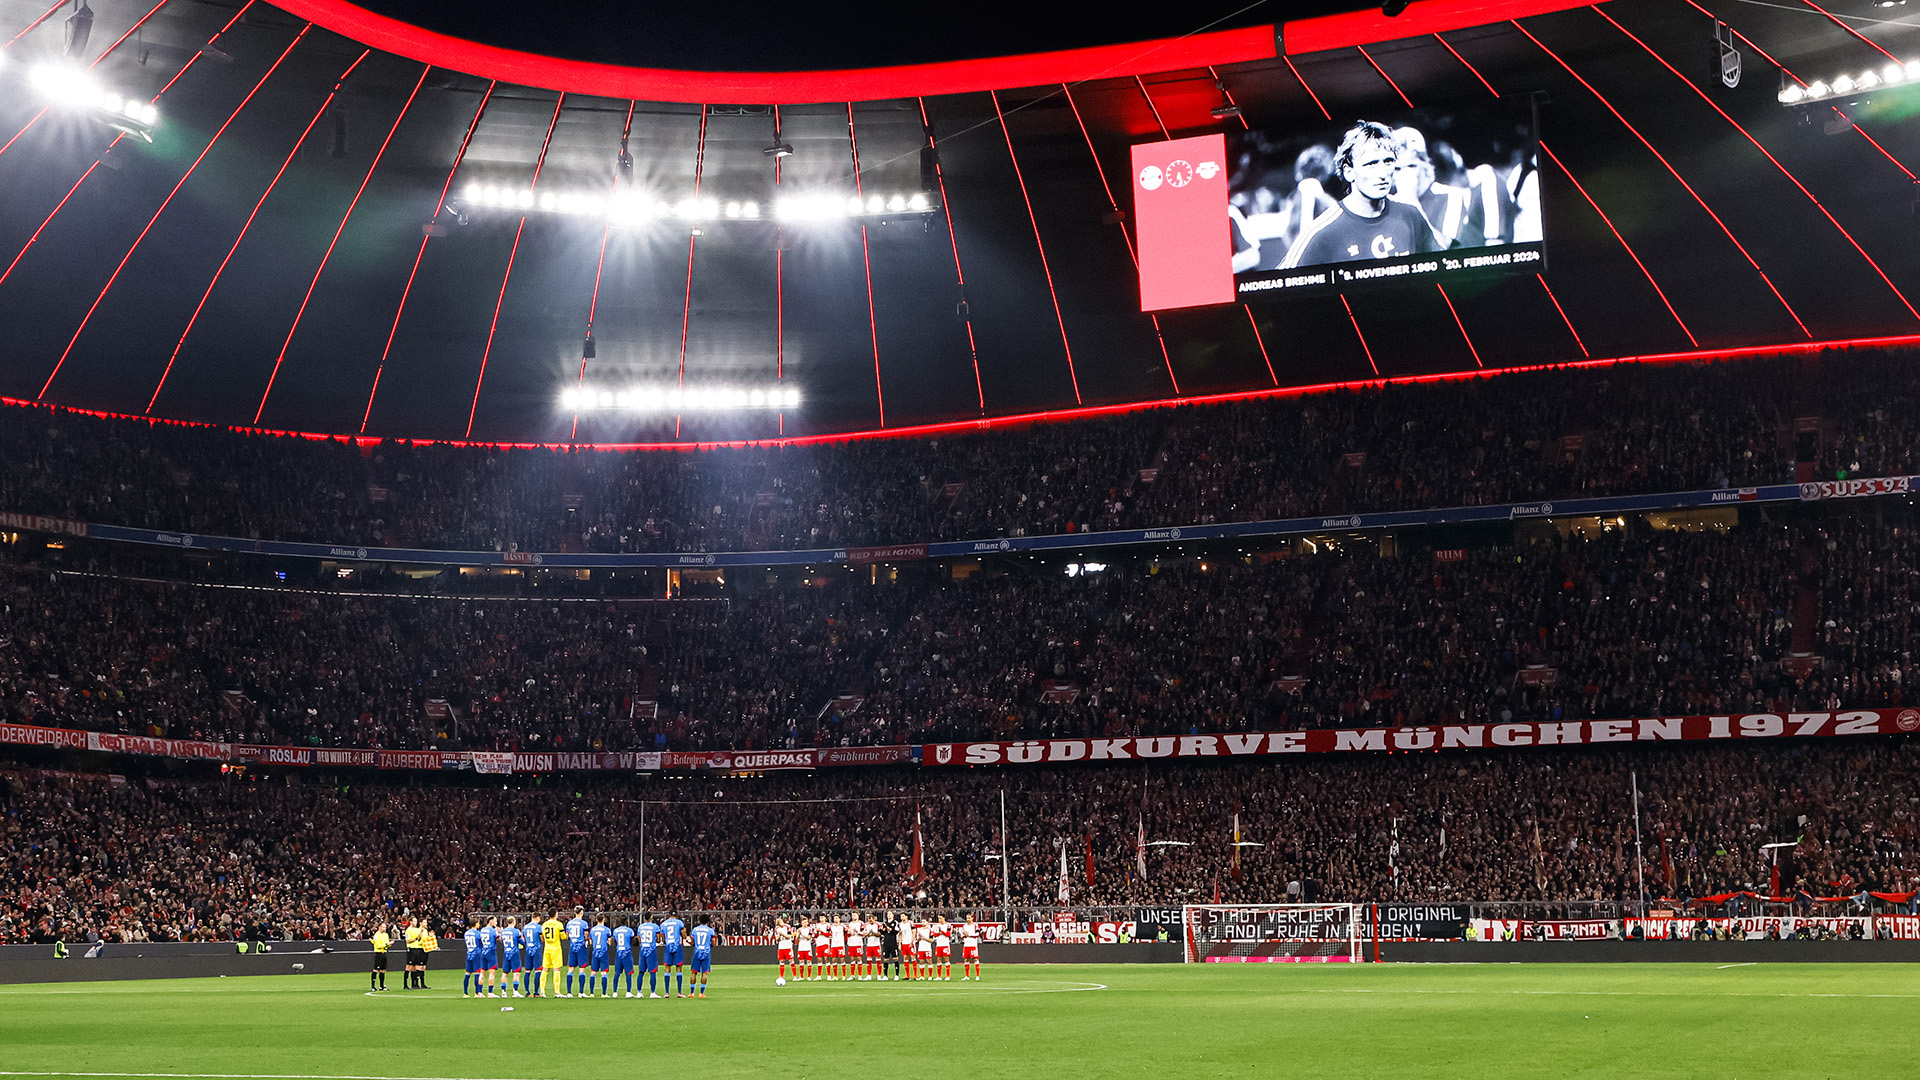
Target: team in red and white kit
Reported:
point(850, 949)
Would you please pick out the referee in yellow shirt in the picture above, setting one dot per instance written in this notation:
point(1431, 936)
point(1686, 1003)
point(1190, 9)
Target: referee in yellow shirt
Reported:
point(429, 944)
point(553, 938)
point(382, 941)
point(416, 954)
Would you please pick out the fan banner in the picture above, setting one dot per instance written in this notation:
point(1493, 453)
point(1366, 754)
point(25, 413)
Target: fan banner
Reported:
point(1428, 737)
point(1752, 927)
point(1030, 752)
point(1424, 922)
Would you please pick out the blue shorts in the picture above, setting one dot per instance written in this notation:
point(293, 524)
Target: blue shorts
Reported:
point(649, 960)
point(600, 962)
point(577, 955)
point(512, 962)
point(674, 957)
point(488, 961)
point(622, 963)
point(474, 963)
point(702, 963)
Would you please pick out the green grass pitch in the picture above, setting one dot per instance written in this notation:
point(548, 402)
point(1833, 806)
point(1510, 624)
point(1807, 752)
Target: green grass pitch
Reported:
point(1482, 1021)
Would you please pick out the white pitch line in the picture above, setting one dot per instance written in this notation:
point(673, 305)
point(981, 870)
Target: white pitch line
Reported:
point(242, 1076)
point(1724, 967)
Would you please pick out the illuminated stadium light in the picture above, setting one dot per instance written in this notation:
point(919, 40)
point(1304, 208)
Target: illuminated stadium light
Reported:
point(624, 208)
point(1847, 83)
point(68, 87)
point(830, 207)
point(675, 399)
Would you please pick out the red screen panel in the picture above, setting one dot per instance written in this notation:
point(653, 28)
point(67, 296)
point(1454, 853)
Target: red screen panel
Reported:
point(1180, 208)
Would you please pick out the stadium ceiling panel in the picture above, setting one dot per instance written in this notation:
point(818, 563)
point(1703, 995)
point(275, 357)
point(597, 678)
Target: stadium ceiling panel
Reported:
point(280, 254)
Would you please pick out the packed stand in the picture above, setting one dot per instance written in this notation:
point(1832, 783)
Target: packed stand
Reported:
point(1537, 435)
point(1618, 625)
point(169, 859)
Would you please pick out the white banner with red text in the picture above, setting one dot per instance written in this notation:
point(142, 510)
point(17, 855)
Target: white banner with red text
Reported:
point(1470, 737)
point(1428, 737)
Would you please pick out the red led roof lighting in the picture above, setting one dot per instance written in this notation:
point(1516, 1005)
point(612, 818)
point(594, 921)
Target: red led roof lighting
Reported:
point(1072, 375)
point(458, 156)
point(335, 242)
point(1769, 156)
point(1261, 341)
point(1789, 72)
point(959, 276)
point(512, 254)
point(790, 87)
point(1835, 20)
point(184, 68)
point(1368, 349)
point(128, 257)
point(1367, 27)
point(1464, 336)
point(1126, 236)
point(1463, 60)
point(949, 427)
point(1623, 243)
point(49, 218)
point(1675, 173)
point(1563, 313)
point(1375, 64)
point(866, 262)
point(48, 14)
point(248, 224)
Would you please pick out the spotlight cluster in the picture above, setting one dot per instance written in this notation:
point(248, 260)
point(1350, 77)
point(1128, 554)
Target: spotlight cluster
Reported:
point(826, 207)
point(675, 399)
point(73, 88)
point(620, 208)
point(638, 208)
point(1845, 84)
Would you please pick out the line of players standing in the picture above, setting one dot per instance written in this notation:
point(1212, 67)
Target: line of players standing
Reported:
point(501, 960)
point(860, 949)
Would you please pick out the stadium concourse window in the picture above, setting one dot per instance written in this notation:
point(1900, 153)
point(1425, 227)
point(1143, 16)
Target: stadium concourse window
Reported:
point(183, 853)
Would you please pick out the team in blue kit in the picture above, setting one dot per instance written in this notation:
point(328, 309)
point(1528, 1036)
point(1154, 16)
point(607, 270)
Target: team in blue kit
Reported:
point(600, 944)
point(472, 977)
point(623, 958)
point(577, 951)
point(648, 935)
point(510, 959)
point(505, 960)
point(672, 956)
point(702, 939)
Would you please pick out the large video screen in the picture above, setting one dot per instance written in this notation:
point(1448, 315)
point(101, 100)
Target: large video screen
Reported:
point(1425, 194)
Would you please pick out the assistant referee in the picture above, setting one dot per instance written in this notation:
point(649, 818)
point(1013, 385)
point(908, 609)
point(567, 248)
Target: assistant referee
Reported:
point(416, 956)
point(382, 941)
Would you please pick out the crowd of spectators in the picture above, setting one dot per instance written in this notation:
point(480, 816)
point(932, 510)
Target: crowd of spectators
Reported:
point(1514, 437)
point(1624, 622)
point(166, 859)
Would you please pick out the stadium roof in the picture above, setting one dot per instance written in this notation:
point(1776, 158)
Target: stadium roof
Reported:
point(265, 260)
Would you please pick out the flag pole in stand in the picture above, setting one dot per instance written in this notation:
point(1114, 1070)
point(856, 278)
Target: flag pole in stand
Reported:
point(1639, 875)
point(1006, 887)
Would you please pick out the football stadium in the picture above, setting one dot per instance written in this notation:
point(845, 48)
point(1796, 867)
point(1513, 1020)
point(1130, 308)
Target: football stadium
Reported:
point(545, 541)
